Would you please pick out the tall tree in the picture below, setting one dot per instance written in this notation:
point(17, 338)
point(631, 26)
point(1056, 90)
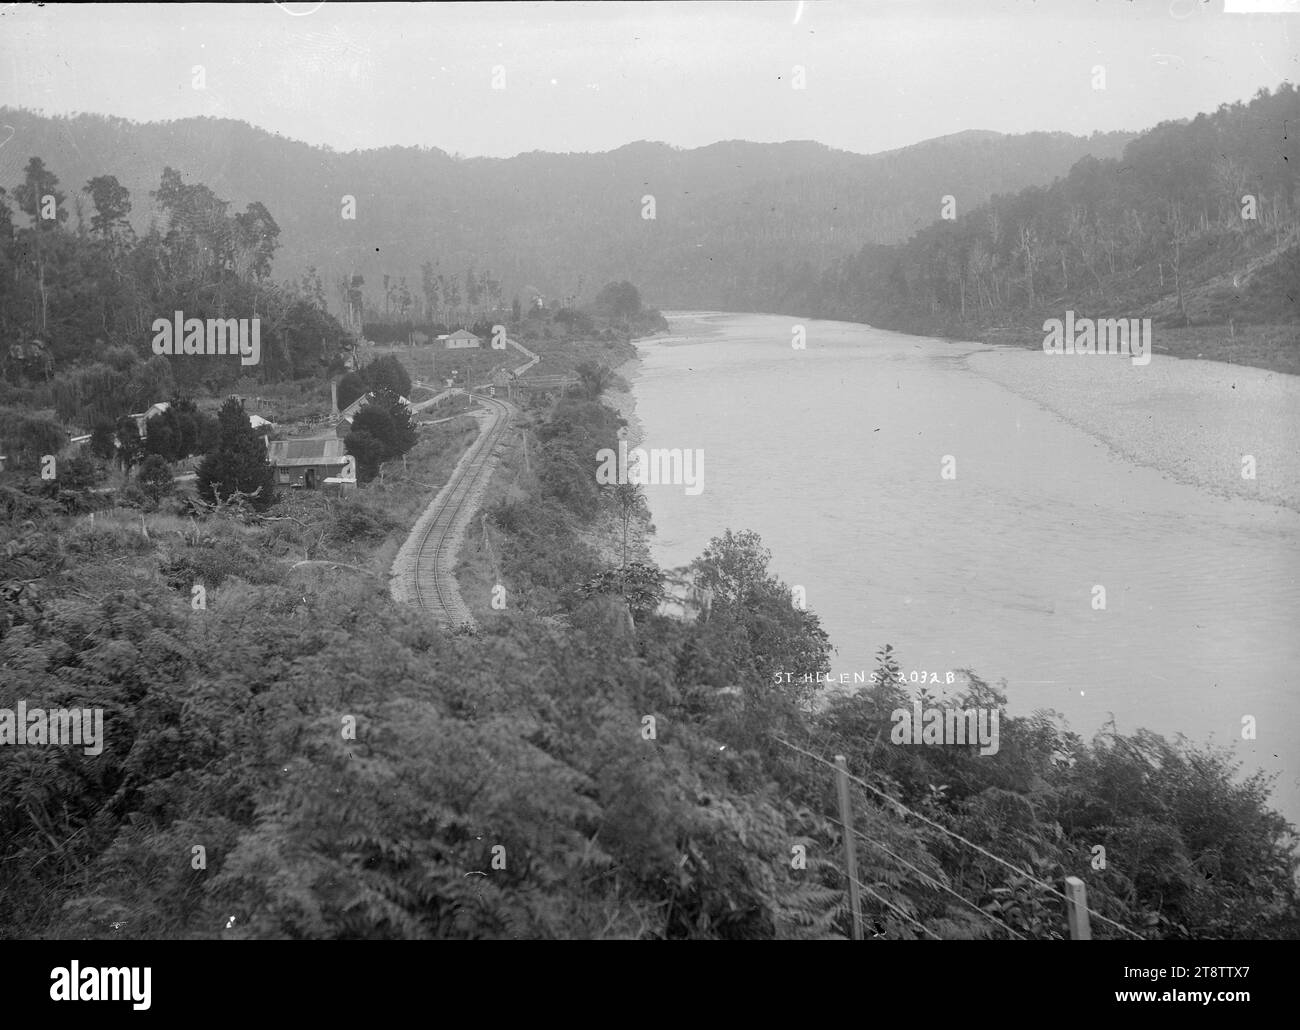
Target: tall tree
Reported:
point(112, 203)
point(41, 200)
point(429, 283)
point(382, 430)
point(239, 463)
point(629, 502)
point(256, 238)
point(452, 295)
point(38, 194)
point(473, 290)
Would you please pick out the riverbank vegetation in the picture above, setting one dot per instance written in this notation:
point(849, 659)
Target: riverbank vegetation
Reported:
point(289, 754)
point(302, 758)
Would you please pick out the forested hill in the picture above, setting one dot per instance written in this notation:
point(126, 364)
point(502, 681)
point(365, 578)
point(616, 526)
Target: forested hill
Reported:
point(1197, 224)
point(732, 221)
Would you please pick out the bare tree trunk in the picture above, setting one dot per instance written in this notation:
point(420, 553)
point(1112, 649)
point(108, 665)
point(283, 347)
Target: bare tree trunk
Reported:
point(1178, 226)
point(40, 272)
point(1027, 247)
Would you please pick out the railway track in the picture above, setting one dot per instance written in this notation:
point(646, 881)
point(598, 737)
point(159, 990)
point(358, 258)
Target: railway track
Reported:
point(424, 568)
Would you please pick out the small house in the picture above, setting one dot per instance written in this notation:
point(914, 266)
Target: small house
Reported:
point(461, 339)
point(307, 463)
point(143, 417)
point(350, 412)
point(343, 424)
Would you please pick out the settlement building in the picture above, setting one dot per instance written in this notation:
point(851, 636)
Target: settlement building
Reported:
point(142, 418)
point(343, 424)
point(350, 412)
point(307, 463)
point(461, 338)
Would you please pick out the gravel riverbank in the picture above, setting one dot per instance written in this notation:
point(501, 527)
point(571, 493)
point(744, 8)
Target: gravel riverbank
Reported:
point(624, 401)
point(1192, 420)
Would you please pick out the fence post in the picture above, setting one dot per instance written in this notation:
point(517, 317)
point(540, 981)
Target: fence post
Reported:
point(1076, 906)
point(850, 845)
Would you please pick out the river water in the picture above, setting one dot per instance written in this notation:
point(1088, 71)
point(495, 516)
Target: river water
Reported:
point(833, 453)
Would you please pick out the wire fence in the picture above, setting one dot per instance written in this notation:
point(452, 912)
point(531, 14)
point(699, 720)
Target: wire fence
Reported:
point(902, 809)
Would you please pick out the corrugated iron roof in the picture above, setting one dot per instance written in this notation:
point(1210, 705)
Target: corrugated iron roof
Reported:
point(294, 463)
point(357, 404)
point(323, 450)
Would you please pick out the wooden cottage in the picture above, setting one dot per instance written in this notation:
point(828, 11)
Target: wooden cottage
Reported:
point(307, 463)
point(461, 338)
point(343, 424)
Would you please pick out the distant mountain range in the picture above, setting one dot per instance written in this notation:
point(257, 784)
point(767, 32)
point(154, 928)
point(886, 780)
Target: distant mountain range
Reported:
point(1197, 224)
point(731, 220)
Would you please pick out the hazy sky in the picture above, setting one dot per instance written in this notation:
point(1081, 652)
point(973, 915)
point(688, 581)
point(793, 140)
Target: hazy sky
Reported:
point(878, 74)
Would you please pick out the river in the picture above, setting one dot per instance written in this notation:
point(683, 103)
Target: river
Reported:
point(833, 453)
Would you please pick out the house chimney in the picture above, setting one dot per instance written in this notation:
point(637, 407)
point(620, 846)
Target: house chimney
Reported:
point(334, 397)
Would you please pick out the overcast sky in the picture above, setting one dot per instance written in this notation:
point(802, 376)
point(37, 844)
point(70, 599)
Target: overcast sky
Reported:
point(878, 74)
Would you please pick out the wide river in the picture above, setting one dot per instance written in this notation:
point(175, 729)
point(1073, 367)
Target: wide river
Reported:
point(833, 454)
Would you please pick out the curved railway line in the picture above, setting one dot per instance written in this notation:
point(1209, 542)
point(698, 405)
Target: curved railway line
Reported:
point(432, 584)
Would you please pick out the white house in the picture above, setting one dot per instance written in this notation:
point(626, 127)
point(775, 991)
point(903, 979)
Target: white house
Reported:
point(460, 339)
point(142, 418)
point(343, 424)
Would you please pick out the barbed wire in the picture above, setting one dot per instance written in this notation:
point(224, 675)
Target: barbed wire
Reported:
point(942, 886)
point(895, 908)
point(956, 836)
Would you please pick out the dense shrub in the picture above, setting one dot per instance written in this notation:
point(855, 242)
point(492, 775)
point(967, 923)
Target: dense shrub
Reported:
point(27, 437)
point(19, 505)
point(78, 472)
point(213, 563)
point(155, 478)
point(352, 520)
